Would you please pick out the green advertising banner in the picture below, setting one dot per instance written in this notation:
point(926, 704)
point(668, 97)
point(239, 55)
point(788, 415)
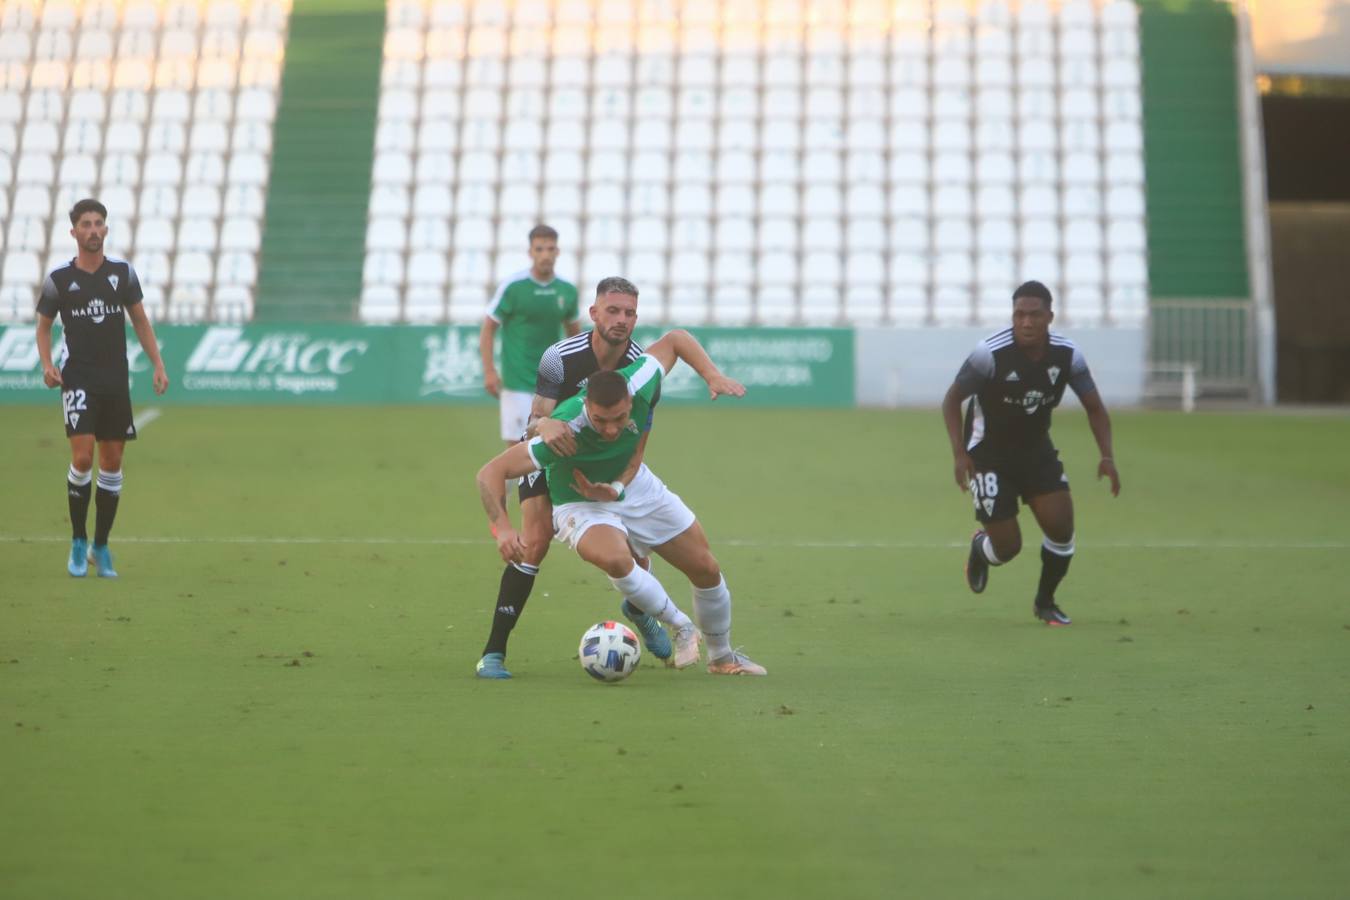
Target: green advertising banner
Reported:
point(315, 364)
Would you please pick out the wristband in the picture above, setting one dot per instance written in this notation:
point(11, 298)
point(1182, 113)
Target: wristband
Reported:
point(618, 488)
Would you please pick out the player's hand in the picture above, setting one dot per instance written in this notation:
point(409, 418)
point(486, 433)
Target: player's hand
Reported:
point(492, 382)
point(1107, 469)
point(559, 438)
point(965, 470)
point(597, 493)
point(161, 379)
point(51, 376)
point(720, 385)
point(510, 544)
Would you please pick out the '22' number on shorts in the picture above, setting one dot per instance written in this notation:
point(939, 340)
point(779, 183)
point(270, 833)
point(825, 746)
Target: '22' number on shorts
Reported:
point(73, 403)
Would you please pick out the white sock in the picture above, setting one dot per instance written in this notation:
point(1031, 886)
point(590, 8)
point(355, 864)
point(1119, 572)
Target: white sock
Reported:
point(988, 547)
point(78, 478)
point(712, 609)
point(646, 593)
point(1059, 549)
point(110, 481)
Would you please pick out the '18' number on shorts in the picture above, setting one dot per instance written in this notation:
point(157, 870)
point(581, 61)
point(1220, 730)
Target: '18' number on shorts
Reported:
point(73, 404)
point(984, 486)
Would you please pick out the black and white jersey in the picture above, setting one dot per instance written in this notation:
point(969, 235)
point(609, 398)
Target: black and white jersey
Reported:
point(1012, 396)
point(565, 366)
point(93, 320)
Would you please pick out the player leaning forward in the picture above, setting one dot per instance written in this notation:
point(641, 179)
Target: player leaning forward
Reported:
point(94, 295)
point(1017, 377)
point(607, 509)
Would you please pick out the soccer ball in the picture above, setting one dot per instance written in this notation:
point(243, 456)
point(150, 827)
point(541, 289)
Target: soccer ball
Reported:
point(609, 651)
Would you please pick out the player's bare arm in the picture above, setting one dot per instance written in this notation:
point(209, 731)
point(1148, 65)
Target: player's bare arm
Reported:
point(608, 493)
point(145, 333)
point(513, 462)
point(51, 375)
point(540, 408)
point(559, 436)
point(1100, 423)
point(680, 344)
point(492, 382)
point(951, 417)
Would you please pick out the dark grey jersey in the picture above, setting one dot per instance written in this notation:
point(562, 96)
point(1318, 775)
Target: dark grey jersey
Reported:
point(92, 307)
point(565, 366)
point(1012, 396)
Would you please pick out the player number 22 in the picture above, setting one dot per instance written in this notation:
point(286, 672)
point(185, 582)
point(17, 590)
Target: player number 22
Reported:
point(74, 402)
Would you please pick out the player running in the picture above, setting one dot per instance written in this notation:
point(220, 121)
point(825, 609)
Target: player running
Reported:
point(607, 505)
point(1017, 377)
point(94, 295)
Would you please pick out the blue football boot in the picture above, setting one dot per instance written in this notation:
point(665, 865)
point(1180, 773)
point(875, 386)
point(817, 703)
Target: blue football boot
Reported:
point(654, 637)
point(78, 564)
point(492, 665)
point(103, 562)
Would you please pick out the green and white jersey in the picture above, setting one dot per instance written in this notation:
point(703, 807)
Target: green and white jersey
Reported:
point(599, 460)
point(531, 316)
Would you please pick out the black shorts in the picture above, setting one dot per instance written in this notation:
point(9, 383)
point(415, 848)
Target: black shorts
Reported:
point(1000, 480)
point(107, 416)
point(534, 484)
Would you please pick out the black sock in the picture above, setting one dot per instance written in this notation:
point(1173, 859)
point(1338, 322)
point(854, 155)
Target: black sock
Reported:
point(1054, 566)
point(77, 495)
point(105, 504)
point(517, 582)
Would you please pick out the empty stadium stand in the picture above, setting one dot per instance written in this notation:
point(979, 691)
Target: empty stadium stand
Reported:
point(162, 110)
point(772, 163)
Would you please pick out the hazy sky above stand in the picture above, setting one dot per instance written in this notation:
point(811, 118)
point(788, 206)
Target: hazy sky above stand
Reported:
point(1302, 36)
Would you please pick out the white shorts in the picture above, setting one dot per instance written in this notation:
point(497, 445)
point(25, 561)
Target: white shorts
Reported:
point(515, 409)
point(649, 513)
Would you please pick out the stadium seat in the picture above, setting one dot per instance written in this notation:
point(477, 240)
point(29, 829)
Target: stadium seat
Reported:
point(1082, 200)
point(1083, 306)
point(196, 235)
point(649, 268)
point(1084, 269)
point(241, 234)
point(1083, 235)
point(689, 268)
point(379, 305)
point(648, 233)
point(154, 234)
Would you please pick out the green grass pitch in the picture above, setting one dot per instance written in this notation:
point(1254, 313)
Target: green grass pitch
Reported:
point(276, 698)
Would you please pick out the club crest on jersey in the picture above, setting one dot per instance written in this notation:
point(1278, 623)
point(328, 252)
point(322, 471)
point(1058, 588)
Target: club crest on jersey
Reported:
point(1053, 372)
point(113, 280)
point(988, 506)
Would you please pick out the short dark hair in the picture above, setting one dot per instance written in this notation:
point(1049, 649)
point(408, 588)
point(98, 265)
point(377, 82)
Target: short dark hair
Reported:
point(615, 284)
point(606, 388)
point(89, 204)
point(543, 231)
point(1034, 289)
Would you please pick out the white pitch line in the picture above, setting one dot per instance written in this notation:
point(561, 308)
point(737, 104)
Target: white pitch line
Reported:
point(147, 416)
point(763, 544)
